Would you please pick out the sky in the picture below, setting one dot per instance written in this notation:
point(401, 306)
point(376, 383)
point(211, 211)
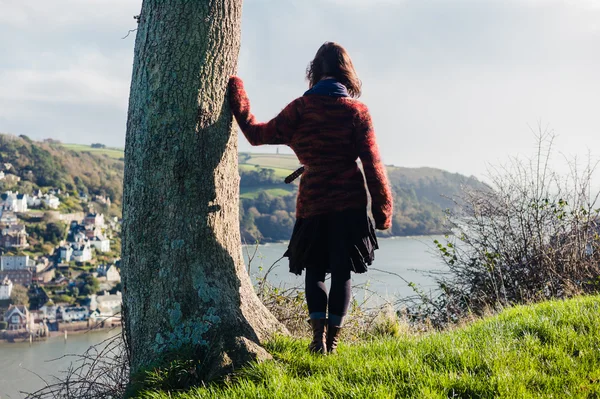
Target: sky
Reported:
point(453, 84)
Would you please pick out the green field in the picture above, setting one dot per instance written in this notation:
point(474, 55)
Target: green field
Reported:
point(549, 350)
point(283, 165)
point(274, 191)
point(281, 161)
point(279, 172)
point(115, 153)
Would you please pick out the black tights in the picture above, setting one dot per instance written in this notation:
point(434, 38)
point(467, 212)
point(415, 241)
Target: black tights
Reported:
point(339, 294)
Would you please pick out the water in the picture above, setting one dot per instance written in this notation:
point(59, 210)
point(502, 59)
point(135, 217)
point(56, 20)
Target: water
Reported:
point(21, 364)
point(398, 262)
point(22, 367)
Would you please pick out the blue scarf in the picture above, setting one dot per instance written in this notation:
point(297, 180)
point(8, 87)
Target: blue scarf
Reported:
point(328, 87)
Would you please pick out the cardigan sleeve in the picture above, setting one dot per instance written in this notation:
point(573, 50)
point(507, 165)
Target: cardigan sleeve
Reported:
point(278, 130)
point(375, 173)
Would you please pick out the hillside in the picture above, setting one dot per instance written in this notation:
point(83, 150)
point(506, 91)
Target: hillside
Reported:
point(45, 165)
point(421, 195)
point(548, 350)
point(267, 207)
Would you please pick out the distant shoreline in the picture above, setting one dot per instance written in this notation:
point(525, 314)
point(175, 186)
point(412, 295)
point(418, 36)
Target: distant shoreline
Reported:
point(52, 335)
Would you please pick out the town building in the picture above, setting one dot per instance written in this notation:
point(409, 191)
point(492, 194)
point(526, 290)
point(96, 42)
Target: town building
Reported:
point(94, 219)
point(6, 287)
point(65, 253)
point(50, 201)
point(110, 272)
point(45, 276)
point(21, 277)
point(14, 201)
point(33, 201)
point(49, 312)
point(19, 262)
point(92, 231)
point(18, 318)
point(74, 313)
point(82, 252)
point(106, 306)
point(8, 218)
point(101, 243)
point(14, 236)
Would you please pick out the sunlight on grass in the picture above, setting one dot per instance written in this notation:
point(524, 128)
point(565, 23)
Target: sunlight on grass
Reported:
point(546, 350)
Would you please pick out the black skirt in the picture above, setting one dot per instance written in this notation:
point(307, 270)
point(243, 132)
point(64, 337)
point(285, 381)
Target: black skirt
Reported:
point(338, 239)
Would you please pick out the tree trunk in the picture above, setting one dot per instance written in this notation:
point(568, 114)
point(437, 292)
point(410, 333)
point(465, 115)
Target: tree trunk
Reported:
point(186, 290)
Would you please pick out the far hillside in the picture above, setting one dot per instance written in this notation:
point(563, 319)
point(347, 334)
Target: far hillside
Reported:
point(267, 206)
point(98, 149)
point(28, 166)
point(421, 195)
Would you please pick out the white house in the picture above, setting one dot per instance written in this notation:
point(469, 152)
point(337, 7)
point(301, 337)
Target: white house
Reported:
point(49, 312)
point(6, 287)
point(82, 252)
point(40, 264)
point(111, 272)
point(79, 237)
point(101, 244)
point(74, 313)
point(65, 254)
point(14, 201)
point(106, 305)
point(33, 201)
point(50, 201)
point(16, 262)
point(1, 174)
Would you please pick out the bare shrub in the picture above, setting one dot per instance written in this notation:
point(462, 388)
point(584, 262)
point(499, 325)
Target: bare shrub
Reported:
point(533, 236)
point(102, 372)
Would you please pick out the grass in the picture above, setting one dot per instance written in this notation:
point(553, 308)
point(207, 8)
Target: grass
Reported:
point(279, 172)
point(115, 153)
point(275, 191)
point(548, 350)
point(281, 161)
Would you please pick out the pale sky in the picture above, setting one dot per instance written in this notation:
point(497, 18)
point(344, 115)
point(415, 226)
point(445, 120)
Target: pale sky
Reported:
point(452, 84)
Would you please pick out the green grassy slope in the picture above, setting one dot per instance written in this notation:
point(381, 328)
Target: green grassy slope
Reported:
point(279, 172)
point(271, 161)
point(115, 153)
point(549, 350)
point(275, 191)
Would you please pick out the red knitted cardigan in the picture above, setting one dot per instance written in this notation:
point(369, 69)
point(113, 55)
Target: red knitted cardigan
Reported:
point(327, 134)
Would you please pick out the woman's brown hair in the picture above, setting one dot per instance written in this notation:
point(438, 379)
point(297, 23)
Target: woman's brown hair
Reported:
point(333, 60)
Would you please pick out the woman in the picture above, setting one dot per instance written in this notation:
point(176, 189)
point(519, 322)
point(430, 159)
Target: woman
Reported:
point(328, 129)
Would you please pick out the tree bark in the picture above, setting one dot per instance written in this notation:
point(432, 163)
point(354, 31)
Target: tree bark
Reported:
point(185, 287)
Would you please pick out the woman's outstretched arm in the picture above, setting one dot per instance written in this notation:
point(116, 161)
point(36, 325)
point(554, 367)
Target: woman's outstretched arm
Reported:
point(278, 130)
point(375, 174)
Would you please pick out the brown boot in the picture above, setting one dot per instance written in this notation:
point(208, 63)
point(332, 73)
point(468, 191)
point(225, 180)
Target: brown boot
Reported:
point(318, 342)
point(333, 337)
